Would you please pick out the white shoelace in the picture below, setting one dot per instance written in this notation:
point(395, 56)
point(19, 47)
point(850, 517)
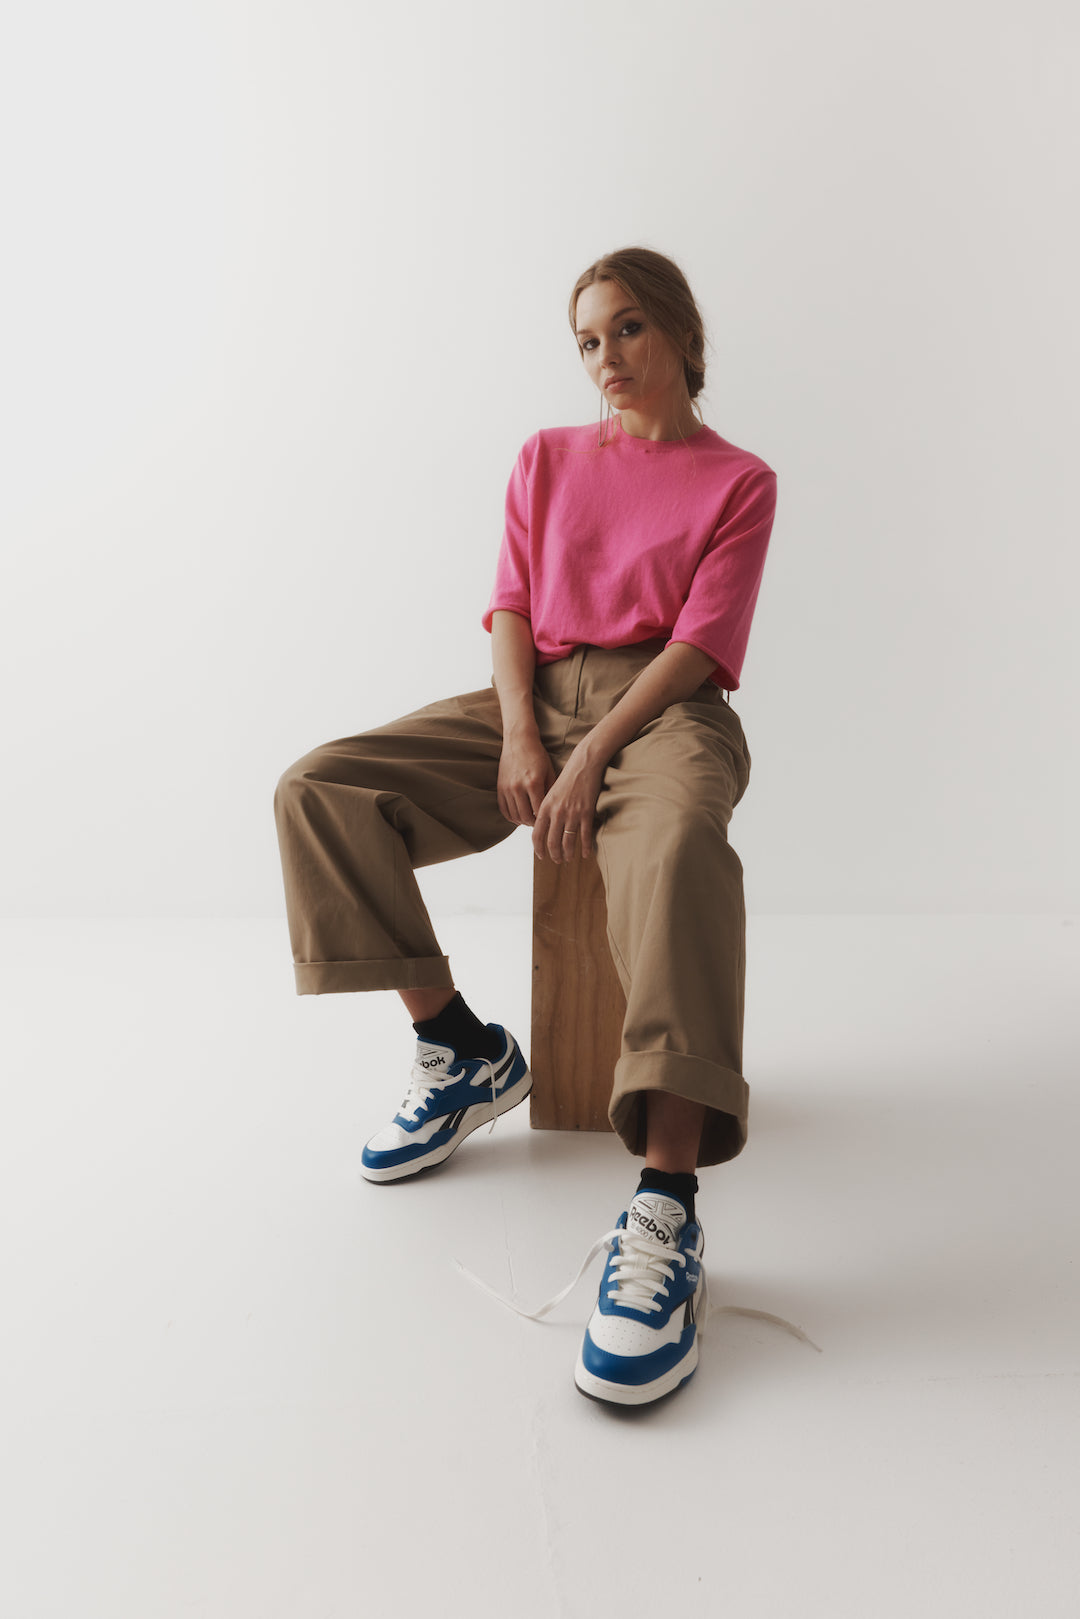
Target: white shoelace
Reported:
point(423, 1084)
point(636, 1277)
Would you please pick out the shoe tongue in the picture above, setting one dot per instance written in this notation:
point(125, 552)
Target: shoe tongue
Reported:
point(432, 1057)
point(656, 1217)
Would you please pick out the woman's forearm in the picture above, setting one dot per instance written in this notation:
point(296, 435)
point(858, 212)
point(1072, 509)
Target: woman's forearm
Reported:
point(513, 659)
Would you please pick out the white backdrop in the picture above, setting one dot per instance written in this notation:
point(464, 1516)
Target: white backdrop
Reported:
point(285, 289)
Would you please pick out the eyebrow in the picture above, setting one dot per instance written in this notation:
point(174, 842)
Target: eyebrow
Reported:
point(583, 331)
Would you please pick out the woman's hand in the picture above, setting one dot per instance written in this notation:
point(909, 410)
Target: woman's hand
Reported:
point(525, 774)
point(568, 811)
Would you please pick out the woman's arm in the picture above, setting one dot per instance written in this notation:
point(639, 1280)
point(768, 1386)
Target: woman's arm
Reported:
point(673, 676)
point(513, 658)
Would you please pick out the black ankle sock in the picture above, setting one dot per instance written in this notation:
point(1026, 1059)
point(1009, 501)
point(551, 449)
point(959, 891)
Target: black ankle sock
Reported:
point(458, 1026)
point(662, 1180)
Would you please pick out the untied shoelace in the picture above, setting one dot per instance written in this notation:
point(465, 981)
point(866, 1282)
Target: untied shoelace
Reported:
point(636, 1278)
point(423, 1084)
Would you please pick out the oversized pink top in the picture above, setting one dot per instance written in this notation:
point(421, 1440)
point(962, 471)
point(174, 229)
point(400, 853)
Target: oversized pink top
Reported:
point(633, 541)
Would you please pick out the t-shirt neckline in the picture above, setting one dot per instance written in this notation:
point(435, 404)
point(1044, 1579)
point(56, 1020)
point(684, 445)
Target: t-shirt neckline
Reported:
point(659, 443)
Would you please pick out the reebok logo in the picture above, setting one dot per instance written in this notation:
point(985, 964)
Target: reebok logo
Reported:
point(656, 1217)
point(648, 1227)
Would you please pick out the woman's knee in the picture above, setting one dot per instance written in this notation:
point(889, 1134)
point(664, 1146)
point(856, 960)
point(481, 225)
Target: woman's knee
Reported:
point(303, 774)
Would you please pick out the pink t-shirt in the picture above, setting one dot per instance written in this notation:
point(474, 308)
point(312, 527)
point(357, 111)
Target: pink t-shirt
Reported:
point(637, 540)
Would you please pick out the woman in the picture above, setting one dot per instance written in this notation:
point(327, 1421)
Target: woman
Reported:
point(624, 592)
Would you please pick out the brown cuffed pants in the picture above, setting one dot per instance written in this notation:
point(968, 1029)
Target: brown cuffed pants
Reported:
point(357, 816)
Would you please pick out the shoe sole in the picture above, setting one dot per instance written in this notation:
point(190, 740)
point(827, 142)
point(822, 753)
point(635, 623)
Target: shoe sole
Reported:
point(598, 1388)
point(509, 1099)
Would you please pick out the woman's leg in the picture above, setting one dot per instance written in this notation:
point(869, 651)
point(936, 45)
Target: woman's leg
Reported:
point(356, 816)
point(677, 932)
point(673, 1132)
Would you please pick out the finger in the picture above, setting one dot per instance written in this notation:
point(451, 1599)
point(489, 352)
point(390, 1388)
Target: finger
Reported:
point(553, 841)
point(562, 847)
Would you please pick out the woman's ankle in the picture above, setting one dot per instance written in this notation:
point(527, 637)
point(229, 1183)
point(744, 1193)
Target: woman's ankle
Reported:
point(424, 1004)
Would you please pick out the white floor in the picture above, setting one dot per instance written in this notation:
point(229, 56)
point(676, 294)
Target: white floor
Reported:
point(242, 1382)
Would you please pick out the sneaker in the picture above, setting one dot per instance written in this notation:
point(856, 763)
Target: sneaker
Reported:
point(448, 1097)
point(642, 1339)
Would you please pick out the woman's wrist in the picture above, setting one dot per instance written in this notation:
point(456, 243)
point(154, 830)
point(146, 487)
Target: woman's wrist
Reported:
point(519, 719)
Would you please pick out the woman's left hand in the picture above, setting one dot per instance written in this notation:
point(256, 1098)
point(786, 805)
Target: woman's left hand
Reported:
point(567, 813)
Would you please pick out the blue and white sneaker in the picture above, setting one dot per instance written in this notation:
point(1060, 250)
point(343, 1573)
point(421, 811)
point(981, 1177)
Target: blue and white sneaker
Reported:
point(642, 1338)
point(448, 1097)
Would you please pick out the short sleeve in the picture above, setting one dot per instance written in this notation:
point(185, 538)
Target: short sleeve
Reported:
point(719, 606)
point(511, 587)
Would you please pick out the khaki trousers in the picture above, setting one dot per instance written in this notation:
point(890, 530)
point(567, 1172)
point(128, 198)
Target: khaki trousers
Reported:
point(356, 817)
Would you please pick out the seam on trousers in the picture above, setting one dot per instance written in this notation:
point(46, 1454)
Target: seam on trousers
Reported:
point(572, 718)
point(577, 694)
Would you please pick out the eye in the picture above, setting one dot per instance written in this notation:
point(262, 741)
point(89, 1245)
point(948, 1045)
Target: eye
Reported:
point(631, 327)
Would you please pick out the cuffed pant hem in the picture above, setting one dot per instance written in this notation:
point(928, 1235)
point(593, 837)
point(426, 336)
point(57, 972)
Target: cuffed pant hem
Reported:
point(400, 972)
point(725, 1094)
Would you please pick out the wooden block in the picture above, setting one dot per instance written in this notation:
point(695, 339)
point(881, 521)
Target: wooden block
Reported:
point(578, 1003)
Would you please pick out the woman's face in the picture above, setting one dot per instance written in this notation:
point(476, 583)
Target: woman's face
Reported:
point(617, 341)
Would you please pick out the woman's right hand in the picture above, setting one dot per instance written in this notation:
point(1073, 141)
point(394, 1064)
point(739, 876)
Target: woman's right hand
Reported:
point(526, 774)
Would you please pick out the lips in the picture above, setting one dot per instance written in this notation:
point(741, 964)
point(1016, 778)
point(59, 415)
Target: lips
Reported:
point(616, 382)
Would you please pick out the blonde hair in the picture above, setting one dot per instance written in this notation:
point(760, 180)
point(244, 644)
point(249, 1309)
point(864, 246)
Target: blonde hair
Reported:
point(657, 286)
